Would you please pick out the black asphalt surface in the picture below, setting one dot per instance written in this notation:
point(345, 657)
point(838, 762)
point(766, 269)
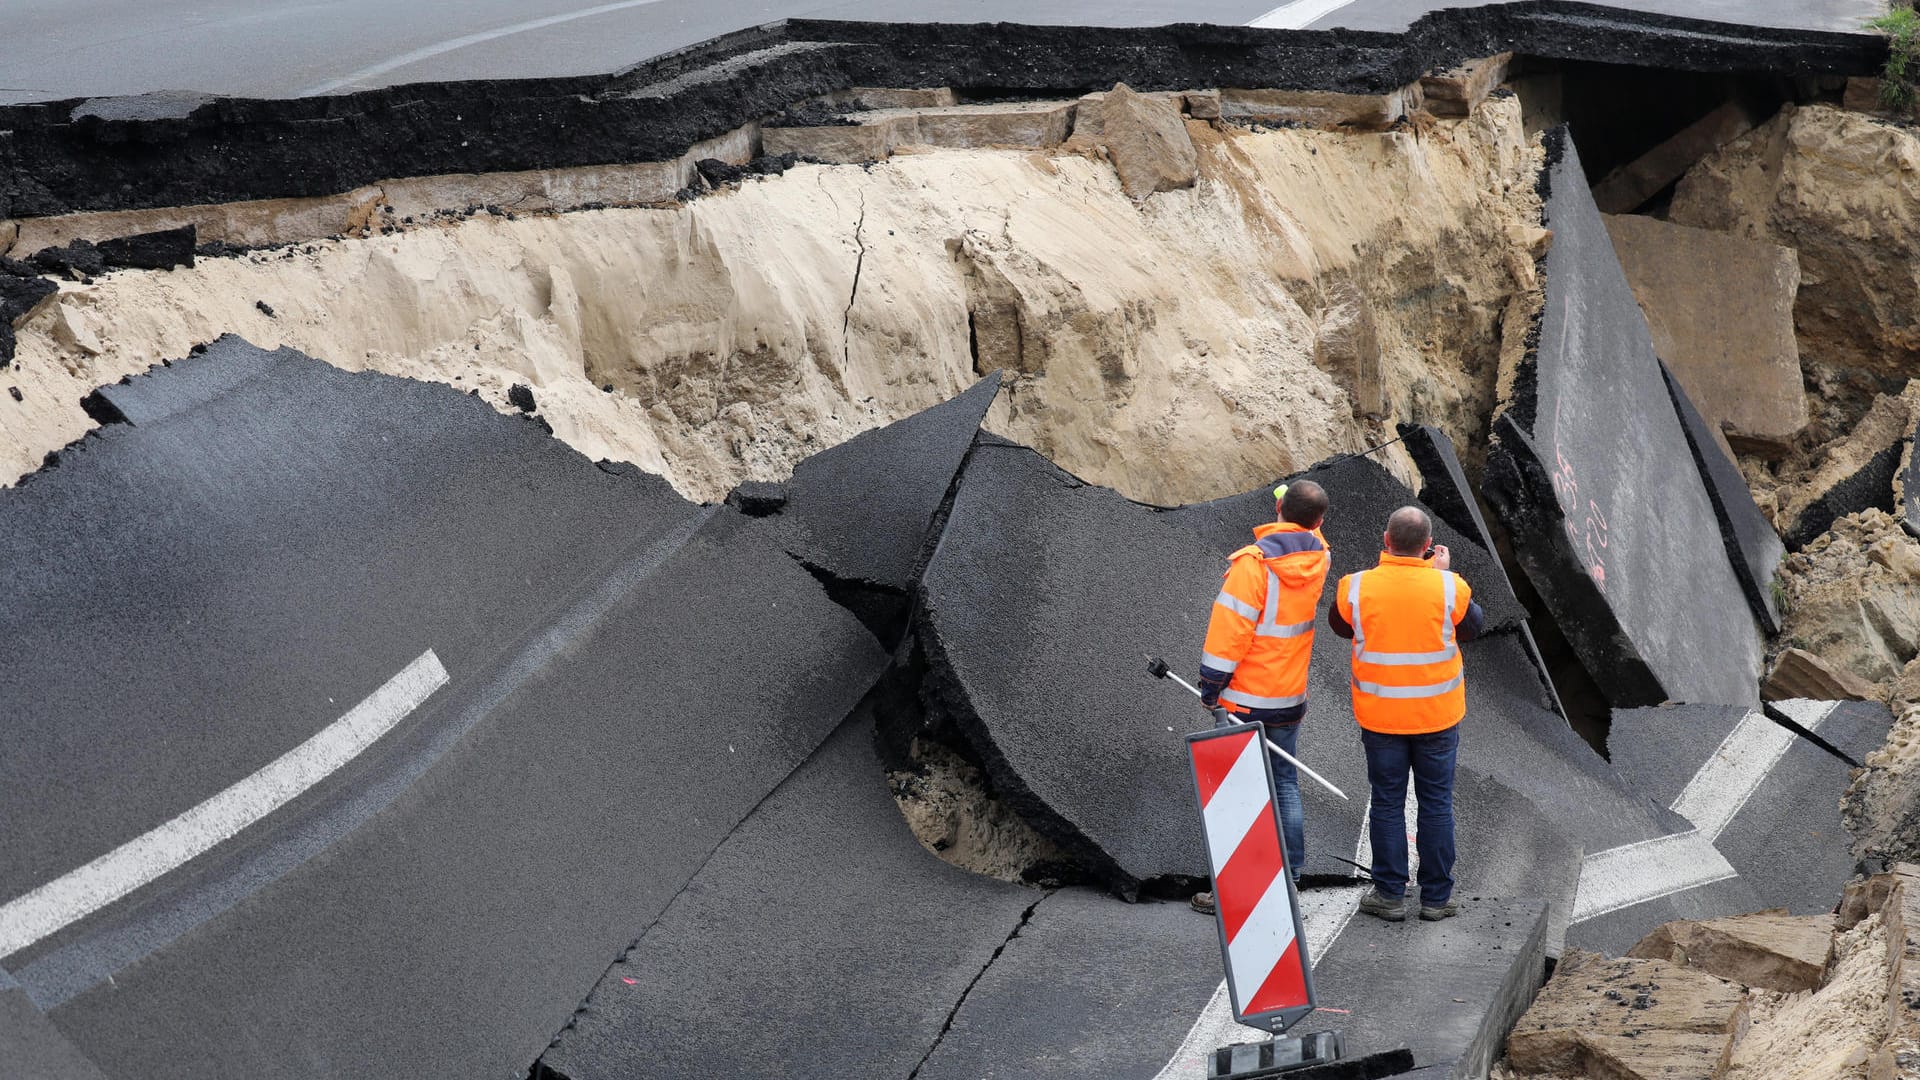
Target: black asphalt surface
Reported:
point(1787, 840)
point(1090, 986)
point(1449, 990)
point(1608, 514)
point(345, 521)
point(1362, 494)
point(30, 1046)
point(56, 50)
point(439, 907)
point(1042, 599)
point(861, 512)
point(1870, 487)
point(820, 940)
point(1754, 550)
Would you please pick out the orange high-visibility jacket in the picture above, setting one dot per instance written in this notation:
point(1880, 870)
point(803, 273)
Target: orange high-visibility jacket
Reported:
point(1260, 635)
point(1407, 677)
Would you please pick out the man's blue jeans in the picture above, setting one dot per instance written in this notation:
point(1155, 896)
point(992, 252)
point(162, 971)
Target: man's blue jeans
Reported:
point(1430, 758)
point(1286, 784)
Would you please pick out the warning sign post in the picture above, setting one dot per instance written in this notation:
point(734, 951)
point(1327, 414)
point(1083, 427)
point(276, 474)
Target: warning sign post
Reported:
point(1262, 941)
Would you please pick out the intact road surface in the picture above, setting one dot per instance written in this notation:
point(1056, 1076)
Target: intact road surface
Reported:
point(54, 49)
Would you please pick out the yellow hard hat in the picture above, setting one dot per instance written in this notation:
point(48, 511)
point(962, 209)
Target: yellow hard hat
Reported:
point(1279, 493)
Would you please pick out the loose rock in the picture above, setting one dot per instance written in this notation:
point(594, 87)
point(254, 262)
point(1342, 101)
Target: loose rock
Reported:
point(1147, 141)
point(1771, 949)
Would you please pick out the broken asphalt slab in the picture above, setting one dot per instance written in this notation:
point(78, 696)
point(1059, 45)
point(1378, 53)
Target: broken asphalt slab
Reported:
point(1449, 991)
point(1090, 986)
point(177, 150)
point(1045, 594)
point(860, 513)
point(753, 971)
point(1767, 798)
point(1608, 515)
point(579, 613)
point(1754, 550)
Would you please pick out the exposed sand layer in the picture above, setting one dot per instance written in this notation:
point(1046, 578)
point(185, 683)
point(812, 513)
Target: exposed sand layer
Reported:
point(1167, 348)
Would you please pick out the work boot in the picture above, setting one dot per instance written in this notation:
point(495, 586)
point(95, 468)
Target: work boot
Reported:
point(1445, 911)
point(1202, 902)
point(1382, 906)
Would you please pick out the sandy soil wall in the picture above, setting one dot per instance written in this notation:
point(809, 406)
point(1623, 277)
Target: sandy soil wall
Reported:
point(1166, 348)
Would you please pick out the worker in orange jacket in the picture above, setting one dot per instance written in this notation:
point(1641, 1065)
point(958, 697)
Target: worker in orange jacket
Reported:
point(1408, 617)
point(1260, 638)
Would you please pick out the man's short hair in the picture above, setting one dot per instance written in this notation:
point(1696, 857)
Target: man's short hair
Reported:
point(1304, 504)
point(1409, 531)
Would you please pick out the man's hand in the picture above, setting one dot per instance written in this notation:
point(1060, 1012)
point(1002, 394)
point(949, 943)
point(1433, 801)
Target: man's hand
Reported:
point(1442, 558)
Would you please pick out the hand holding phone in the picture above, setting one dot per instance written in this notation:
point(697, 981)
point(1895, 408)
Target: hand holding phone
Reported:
point(1442, 558)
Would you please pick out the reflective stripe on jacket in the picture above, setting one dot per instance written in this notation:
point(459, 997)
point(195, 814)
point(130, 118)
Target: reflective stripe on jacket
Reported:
point(1260, 634)
point(1407, 675)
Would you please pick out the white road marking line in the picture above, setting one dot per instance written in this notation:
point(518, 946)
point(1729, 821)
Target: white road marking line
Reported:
point(1636, 873)
point(79, 893)
point(1299, 14)
point(1732, 773)
point(452, 44)
point(1324, 913)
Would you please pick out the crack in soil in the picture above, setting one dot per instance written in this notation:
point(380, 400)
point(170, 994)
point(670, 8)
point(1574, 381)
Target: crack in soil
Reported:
point(859, 261)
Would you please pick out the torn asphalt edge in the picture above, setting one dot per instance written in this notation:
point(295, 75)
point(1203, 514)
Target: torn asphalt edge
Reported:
point(180, 149)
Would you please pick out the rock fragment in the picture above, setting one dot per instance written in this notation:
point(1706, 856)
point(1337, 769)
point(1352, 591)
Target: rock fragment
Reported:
point(520, 396)
point(1626, 188)
point(1771, 950)
point(1853, 473)
point(1800, 674)
point(1457, 91)
point(1720, 309)
point(1628, 1018)
point(1147, 142)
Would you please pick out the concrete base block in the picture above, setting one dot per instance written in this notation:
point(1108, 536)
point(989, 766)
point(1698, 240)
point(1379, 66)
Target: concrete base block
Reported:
point(1628, 187)
point(1720, 309)
point(1457, 91)
point(875, 134)
point(1319, 108)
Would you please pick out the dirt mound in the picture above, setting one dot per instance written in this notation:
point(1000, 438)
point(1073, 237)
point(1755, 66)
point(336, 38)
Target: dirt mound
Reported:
point(1166, 349)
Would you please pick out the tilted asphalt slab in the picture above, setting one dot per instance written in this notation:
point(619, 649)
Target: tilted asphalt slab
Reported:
point(861, 512)
point(1090, 986)
point(823, 940)
point(1754, 550)
point(1608, 515)
point(1045, 594)
point(439, 905)
point(1362, 494)
point(1766, 796)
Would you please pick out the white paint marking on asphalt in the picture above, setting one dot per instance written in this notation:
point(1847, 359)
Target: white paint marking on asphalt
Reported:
point(1299, 14)
point(452, 44)
point(1636, 873)
point(1733, 772)
point(1324, 913)
point(77, 894)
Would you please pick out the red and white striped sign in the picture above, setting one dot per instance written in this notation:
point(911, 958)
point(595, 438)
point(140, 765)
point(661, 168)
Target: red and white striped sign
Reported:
point(1260, 937)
